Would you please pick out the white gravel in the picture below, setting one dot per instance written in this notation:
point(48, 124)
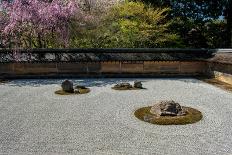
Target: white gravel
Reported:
point(33, 120)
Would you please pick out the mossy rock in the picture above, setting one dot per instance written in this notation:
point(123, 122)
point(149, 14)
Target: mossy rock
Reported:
point(192, 116)
point(4, 81)
point(80, 91)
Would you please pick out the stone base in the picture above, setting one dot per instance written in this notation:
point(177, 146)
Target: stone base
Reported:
point(81, 91)
point(192, 116)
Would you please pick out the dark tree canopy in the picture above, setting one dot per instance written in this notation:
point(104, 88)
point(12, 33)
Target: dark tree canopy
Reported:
point(194, 18)
point(194, 9)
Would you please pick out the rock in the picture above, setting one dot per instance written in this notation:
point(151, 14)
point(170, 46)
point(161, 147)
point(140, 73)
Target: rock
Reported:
point(82, 90)
point(167, 108)
point(80, 87)
point(77, 91)
point(138, 84)
point(67, 86)
point(123, 85)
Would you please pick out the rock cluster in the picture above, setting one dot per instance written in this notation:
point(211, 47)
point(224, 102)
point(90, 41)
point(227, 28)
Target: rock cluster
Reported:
point(127, 86)
point(167, 108)
point(123, 85)
point(67, 86)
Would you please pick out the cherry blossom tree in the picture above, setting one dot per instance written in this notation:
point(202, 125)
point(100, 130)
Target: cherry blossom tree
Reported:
point(38, 24)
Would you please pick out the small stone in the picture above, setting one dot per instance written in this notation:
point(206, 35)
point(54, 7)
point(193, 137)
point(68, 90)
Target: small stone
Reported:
point(67, 86)
point(138, 84)
point(81, 90)
point(167, 108)
point(76, 91)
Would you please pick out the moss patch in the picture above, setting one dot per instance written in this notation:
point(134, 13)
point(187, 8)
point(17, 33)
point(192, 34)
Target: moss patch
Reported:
point(81, 91)
point(61, 92)
point(217, 83)
point(192, 116)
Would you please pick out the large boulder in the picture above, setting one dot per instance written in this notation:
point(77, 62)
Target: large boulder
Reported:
point(167, 108)
point(67, 86)
point(138, 84)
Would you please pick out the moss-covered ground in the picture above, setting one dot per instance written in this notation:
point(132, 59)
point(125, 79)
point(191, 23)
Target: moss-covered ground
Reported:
point(192, 116)
point(81, 91)
point(217, 83)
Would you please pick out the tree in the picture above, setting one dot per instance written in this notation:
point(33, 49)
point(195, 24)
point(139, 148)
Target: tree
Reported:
point(192, 9)
point(131, 25)
point(228, 17)
point(3, 21)
point(38, 24)
point(192, 17)
point(97, 5)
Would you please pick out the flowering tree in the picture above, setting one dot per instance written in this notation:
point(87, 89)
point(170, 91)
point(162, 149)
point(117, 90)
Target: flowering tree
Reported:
point(97, 5)
point(38, 24)
point(2, 25)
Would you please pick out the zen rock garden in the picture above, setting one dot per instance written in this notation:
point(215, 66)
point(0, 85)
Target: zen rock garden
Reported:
point(69, 89)
point(128, 86)
point(168, 113)
point(169, 117)
point(161, 113)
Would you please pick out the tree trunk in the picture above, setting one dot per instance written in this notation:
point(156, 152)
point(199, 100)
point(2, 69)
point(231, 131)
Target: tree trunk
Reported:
point(229, 23)
point(40, 45)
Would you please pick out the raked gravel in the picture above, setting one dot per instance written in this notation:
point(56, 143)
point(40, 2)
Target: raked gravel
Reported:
point(34, 120)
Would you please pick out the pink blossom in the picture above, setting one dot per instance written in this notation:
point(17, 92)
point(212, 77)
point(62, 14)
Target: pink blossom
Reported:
point(38, 18)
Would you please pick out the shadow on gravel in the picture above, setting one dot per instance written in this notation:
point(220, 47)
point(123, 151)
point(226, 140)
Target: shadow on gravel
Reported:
point(92, 82)
point(86, 82)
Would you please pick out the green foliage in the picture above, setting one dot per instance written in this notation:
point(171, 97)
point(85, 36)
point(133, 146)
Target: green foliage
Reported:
point(131, 25)
point(215, 34)
point(135, 24)
point(208, 34)
point(197, 21)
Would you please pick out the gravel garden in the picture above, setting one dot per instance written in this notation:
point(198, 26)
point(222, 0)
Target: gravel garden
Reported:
point(36, 120)
point(115, 38)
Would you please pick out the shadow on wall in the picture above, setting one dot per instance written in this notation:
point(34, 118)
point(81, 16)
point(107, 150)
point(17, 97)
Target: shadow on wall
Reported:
point(90, 82)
